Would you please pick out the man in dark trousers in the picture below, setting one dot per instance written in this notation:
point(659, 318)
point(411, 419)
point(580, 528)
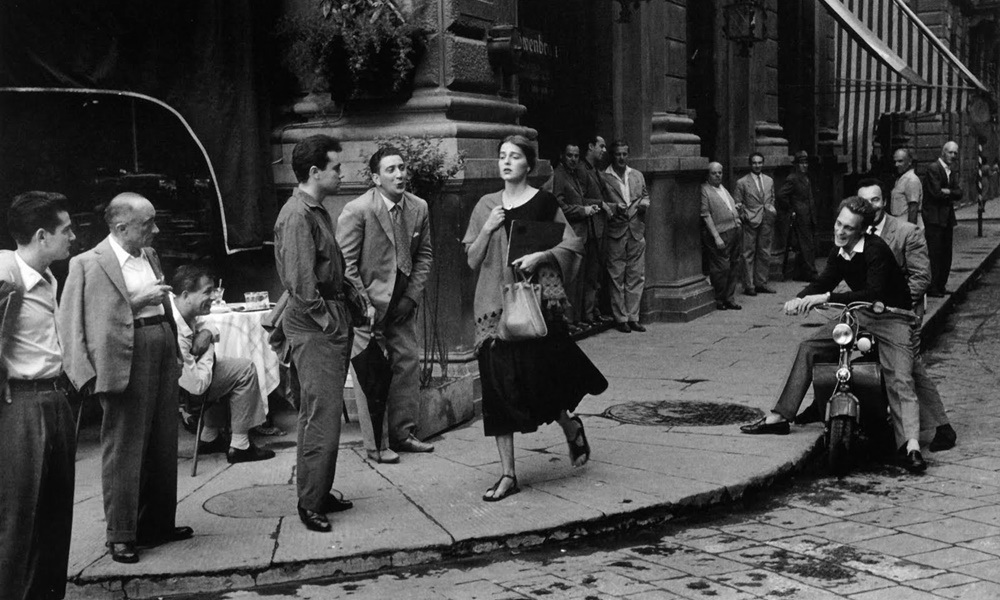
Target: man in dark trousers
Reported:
point(869, 268)
point(580, 198)
point(37, 434)
point(941, 191)
point(590, 173)
point(721, 238)
point(315, 323)
point(795, 201)
point(386, 240)
point(118, 338)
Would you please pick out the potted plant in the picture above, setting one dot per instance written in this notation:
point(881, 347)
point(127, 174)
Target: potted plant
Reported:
point(445, 401)
point(353, 48)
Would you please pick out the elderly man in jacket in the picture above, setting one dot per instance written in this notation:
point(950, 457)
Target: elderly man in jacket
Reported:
point(626, 245)
point(721, 238)
point(37, 437)
point(941, 192)
point(117, 331)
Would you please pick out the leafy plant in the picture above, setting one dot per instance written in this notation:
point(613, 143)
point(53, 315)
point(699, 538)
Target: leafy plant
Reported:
point(429, 166)
point(355, 45)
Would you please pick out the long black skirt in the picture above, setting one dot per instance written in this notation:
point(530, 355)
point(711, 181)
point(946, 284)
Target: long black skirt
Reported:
point(527, 384)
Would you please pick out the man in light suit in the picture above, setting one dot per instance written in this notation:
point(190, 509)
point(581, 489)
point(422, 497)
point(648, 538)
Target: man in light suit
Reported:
point(941, 191)
point(907, 243)
point(37, 436)
point(118, 338)
point(581, 201)
point(626, 243)
point(386, 240)
point(721, 238)
point(755, 194)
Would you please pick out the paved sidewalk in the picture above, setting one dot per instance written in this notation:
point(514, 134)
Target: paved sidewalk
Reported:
point(429, 507)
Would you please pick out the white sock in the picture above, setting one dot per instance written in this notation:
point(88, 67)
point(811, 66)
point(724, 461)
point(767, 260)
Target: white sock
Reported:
point(208, 434)
point(240, 441)
point(912, 445)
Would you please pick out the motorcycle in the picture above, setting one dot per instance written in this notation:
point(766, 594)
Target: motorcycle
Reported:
point(852, 390)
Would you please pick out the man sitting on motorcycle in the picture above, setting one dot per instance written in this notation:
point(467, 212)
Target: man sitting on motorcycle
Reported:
point(870, 270)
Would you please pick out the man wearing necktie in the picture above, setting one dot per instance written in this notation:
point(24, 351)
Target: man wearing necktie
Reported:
point(755, 193)
point(941, 191)
point(721, 238)
point(385, 237)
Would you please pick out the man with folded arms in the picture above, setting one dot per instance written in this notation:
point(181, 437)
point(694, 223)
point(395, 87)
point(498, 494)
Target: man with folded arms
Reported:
point(721, 238)
point(231, 380)
point(868, 267)
point(37, 434)
point(941, 192)
point(118, 341)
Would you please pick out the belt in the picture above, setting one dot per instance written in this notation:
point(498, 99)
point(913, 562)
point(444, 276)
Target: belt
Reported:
point(146, 321)
point(51, 384)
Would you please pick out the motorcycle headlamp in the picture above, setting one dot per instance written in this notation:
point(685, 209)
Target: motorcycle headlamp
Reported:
point(843, 334)
point(843, 374)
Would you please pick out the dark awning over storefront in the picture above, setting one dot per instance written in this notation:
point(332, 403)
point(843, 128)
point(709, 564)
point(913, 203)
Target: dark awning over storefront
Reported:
point(889, 61)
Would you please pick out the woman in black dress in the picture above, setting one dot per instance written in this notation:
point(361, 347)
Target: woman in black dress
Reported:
point(526, 383)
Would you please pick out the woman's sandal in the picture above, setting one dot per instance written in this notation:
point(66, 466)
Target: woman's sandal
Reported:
point(513, 489)
point(577, 450)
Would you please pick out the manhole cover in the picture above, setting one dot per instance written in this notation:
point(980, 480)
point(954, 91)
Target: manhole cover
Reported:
point(257, 502)
point(679, 412)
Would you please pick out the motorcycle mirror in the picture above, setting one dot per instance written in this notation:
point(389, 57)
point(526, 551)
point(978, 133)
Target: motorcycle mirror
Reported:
point(878, 307)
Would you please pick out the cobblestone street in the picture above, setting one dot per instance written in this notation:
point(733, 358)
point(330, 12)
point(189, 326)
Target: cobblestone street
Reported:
point(879, 534)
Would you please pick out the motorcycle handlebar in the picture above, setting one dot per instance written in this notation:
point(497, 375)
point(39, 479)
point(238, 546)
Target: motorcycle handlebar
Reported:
point(876, 307)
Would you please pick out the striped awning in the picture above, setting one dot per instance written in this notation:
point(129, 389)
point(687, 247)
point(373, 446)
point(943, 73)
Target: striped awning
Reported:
point(889, 61)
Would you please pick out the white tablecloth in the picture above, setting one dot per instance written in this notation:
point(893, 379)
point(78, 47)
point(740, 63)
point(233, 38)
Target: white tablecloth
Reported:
point(242, 336)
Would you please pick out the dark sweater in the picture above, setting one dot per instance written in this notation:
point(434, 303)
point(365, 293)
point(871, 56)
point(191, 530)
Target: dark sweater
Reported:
point(872, 275)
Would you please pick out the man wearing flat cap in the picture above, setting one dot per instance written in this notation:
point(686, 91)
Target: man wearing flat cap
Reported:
point(795, 201)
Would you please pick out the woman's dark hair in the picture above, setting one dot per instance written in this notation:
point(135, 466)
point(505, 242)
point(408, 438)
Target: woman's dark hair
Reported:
point(530, 154)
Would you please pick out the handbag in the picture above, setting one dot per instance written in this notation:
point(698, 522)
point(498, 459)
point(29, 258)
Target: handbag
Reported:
point(521, 318)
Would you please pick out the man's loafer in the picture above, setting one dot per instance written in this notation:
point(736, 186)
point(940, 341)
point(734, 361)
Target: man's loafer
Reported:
point(762, 427)
point(749, 292)
point(733, 306)
point(765, 290)
point(164, 537)
point(721, 306)
point(313, 520)
point(216, 446)
point(942, 442)
point(412, 444)
point(623, 327)
point(810, 415)
point(124, 552)
point(335, 504)
point(914, 462)
point(635, 326)
point(384, 456)
point(251, 454)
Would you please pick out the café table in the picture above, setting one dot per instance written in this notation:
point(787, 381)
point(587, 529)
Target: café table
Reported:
point(241, 335)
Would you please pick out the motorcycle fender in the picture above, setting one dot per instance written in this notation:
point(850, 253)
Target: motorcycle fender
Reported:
point(842, 405)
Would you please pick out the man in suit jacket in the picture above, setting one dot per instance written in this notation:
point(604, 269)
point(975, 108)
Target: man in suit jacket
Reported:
point(119, 342)
point(867, 265)
point(796, 198)
point(386, 240)
point(755, 194)
point(626, 249)
point(721, 238)
point(590, 171)
point(581, 201)
point(907, 243)
point(941, 191)
point(37, 437)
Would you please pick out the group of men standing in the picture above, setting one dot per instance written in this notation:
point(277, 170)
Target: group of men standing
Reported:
point(607, 210)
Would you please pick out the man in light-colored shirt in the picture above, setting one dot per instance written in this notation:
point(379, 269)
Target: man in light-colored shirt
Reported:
point(223, 381)
point(721, 238)
point(118, 339)
point(908, 193)
point(755, 194)
point(37, 434)
point(626, 243)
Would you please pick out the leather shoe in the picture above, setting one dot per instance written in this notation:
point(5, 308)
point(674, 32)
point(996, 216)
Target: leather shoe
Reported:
point(762, 427)
point(914, 462)
point(733, 306)
point(944, 439)
point(216, 446)
point(749, 292)
point(765, 290)
point(124, 552)
point(412, 444)
point(721, 306)
point(172, 535)
point(251, 454)
point(623, 327)
point(334, 504)
point(635, 326)
point(313, 520)
point(386, 456)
